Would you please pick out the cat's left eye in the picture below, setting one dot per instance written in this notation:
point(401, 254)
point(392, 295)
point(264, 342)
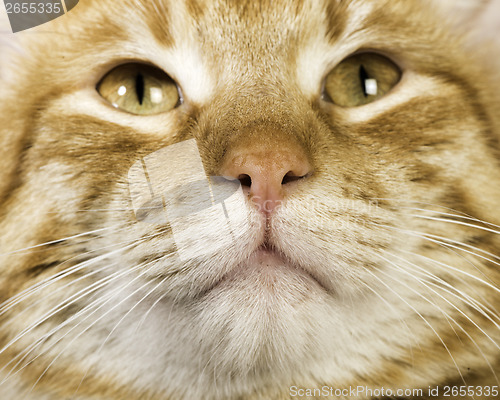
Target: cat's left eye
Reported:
point(139, 89)
point(361, 79)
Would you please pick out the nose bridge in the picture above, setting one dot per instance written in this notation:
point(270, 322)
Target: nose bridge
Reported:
point(276, 158)
point(265, 113)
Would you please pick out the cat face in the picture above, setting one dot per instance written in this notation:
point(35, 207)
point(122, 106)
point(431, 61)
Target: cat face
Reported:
point(224, 200)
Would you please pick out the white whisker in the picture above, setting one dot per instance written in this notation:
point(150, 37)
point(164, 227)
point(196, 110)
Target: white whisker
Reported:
point(452, 221)
point(477, 305)
point(422, 317)
point(444, 244)
point(423, 282)
point(150, 309)
point(96, 303)
point(58, 308)
point(119, 322)
point(14, 300)
point(462, 216)
point(74, 298)
point(61, 240)
point(444, 240)
point(391, 307)
point(98, 319)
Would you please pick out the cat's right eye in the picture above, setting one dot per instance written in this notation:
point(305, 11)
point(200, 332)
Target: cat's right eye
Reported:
point(139, 89)
point(361, 79)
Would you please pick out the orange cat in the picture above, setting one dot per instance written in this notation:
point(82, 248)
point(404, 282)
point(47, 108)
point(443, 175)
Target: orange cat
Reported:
point(250, 200)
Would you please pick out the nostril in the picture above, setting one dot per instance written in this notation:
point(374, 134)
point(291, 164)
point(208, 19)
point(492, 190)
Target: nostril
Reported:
point(245, 180)
point(267, 175)
point(291, 177)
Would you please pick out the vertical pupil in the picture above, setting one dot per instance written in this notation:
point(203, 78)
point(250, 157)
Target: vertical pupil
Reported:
point(363, 76)
point(139, 87)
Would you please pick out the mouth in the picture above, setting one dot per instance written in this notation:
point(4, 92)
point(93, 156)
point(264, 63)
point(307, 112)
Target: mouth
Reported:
point(267, 264)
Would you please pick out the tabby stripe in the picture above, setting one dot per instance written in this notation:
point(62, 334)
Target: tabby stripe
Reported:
point(38, 269)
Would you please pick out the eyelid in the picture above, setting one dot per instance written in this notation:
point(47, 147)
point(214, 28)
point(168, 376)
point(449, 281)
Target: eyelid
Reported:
point(387, 54)
point(108, 66)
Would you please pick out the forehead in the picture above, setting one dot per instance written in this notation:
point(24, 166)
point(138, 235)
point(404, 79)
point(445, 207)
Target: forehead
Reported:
point(235, 33)
point(262, 26)
point(233, 20)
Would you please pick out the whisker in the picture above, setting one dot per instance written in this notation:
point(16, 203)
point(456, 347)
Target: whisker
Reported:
point(16, 299)
point(434, 277)
point(459, 271)
point(423, 282)
point(390, 306)
point(69, 243)
point(63, 274)
point(56, 309)
point(452, 210)
point(444, 244)
point(423, 319)
point(145, 316)
point(105, 210)
point(462, 216)
point(32, 346)
point(452, 221)
point(59, 289)
point(118, 323)
point(61, 240)
point(95, 286)
point(444, 239)
point(73, 299)
point(477, 305)
point(98, 319)
point(102, 283)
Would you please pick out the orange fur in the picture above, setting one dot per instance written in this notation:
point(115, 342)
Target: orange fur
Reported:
point(391, 243)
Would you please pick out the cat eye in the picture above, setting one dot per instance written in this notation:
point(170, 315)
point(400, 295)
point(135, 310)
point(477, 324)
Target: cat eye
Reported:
point(139, 89)
point(361, 79)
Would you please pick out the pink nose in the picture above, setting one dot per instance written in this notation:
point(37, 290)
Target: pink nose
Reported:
point(267, 174)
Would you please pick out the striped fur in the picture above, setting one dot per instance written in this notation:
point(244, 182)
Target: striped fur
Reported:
point(399, 224)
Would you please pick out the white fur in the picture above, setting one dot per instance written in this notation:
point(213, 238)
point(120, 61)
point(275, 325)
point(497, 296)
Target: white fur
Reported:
point(87, 101)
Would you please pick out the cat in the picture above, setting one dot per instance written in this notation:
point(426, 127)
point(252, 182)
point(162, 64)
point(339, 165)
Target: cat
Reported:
point(251, 200)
